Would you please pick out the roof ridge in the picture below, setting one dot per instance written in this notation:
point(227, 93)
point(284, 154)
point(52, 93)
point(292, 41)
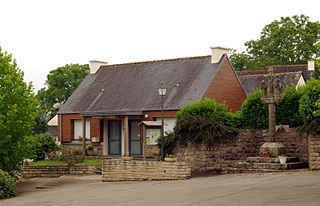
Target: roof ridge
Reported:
point(251, 71)
point(152, 61)
point(296, 65)
point(257, 75)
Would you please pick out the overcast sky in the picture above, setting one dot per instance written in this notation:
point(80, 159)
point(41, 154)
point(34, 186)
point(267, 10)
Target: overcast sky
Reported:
point(43, 35)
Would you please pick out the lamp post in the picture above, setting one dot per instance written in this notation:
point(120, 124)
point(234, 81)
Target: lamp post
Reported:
point(58, 106)
point(162, 92)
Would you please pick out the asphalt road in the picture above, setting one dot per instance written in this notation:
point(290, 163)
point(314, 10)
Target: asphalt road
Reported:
point(296, 188)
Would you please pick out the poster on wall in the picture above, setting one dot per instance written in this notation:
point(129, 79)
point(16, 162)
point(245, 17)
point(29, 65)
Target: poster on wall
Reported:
point(152, 136)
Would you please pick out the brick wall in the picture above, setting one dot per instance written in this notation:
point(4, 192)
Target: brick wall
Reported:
point(121, 170)
point(225, 87)
point(58, 170)
point(314, 152)
point(246, 144)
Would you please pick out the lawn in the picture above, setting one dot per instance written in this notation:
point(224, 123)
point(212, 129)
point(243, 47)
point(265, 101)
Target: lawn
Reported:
point(88, 161)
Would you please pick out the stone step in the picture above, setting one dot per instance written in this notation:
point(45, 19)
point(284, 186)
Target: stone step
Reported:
point(270, 160)
point(267, 166)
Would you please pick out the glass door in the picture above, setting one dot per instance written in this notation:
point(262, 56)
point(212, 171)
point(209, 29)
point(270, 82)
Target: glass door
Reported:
point(135, 145)
point(114, 137)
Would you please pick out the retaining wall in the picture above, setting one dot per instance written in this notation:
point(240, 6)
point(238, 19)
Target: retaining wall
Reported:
point(314, 152)
point(59, 170)
point(135, 170)
point(246, 144)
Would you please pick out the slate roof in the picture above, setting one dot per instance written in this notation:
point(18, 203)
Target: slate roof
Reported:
point(130, 89)
point(288, 75)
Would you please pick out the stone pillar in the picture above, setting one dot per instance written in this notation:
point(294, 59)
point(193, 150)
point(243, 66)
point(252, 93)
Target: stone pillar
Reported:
point(272, 121)
point(126, 134)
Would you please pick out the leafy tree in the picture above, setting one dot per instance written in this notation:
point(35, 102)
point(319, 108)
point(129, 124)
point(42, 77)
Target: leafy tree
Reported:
point(18, 109)
point(288, 41)
point(61, 83)
point(41, 125)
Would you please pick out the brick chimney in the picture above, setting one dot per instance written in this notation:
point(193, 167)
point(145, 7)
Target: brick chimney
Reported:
point(217, 53)
point(310, 65)
point(95, 65)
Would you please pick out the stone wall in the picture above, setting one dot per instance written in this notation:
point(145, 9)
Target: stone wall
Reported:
point(150, 150)
point(133, 170)
point(314, 152)
point(246, 144)
point(58, 170)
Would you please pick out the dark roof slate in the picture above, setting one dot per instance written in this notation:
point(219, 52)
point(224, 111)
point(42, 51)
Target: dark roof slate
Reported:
point(132, 88)
point(289, 74)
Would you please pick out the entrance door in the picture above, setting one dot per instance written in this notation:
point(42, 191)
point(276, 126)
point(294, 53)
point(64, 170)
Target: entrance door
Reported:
point(135, 145)
point(114, 137)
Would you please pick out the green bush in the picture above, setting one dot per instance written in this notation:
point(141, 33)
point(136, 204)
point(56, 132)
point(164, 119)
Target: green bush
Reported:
point(169, 143)
point(311, 94)
point(287, 112)
point(7, 185)
point(253, 113)
point(309, 107)
point(197, 129)
point(205, 108)
point(44, 146)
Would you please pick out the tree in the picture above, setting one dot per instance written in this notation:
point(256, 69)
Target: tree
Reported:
point(18, 109)
point(288, 41)
point(61, 83)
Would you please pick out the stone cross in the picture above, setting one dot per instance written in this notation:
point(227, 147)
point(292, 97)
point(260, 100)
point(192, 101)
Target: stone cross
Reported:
point(271, 98)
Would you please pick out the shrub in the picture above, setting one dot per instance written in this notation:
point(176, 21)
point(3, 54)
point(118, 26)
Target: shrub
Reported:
point(7, 185)
point(46, 145)
point(309, 107)
point(169, 143)
point(253, 113)
point(197, 129)
point(72, 157)
point(205, 108)
point(287, 112)
point(311, 94)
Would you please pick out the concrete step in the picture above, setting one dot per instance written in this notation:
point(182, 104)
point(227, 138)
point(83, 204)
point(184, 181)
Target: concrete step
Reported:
point(270, 160)
point(267, 166)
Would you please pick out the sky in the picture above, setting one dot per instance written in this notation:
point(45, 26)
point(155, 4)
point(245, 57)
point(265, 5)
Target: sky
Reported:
point(43, 35)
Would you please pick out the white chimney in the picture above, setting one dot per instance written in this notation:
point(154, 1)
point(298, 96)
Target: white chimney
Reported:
point(217, 53)
point(95, 65)
point(310, 65)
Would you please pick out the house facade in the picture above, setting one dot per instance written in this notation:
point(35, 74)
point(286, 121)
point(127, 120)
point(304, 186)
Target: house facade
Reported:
point(117, 108)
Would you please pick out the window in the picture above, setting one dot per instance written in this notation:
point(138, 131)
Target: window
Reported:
point(78, 129)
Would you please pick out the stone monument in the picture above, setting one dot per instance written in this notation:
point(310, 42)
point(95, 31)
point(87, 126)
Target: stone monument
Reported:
point(271, 95)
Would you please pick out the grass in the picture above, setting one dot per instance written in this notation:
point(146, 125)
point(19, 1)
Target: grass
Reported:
point(88, 161)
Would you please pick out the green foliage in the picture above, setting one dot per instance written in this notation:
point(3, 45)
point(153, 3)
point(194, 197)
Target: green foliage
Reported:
point(44, 145)
point(311, 94)
point(288, 41)
point(197, 129)
point(7, 185)
point(61, 83)
point(309, 107)
point(41, 125)
point(18, 109)
point(169, 140)
point(204, 108)
point(287, 112)
point(253, 113)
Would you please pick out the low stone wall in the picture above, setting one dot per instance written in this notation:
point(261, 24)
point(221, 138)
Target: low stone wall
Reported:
point(58, 170)
point(246, 144)
point(149, 150)
point(134, 170)
point(314, 152)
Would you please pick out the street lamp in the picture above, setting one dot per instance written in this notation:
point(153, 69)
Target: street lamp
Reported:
point(162, 92)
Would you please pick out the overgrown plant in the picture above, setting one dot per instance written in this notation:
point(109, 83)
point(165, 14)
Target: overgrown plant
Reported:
point(197, 129)
point(7, 185)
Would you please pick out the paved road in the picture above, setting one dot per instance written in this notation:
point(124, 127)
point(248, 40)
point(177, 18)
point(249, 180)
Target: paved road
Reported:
point(298, 188)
